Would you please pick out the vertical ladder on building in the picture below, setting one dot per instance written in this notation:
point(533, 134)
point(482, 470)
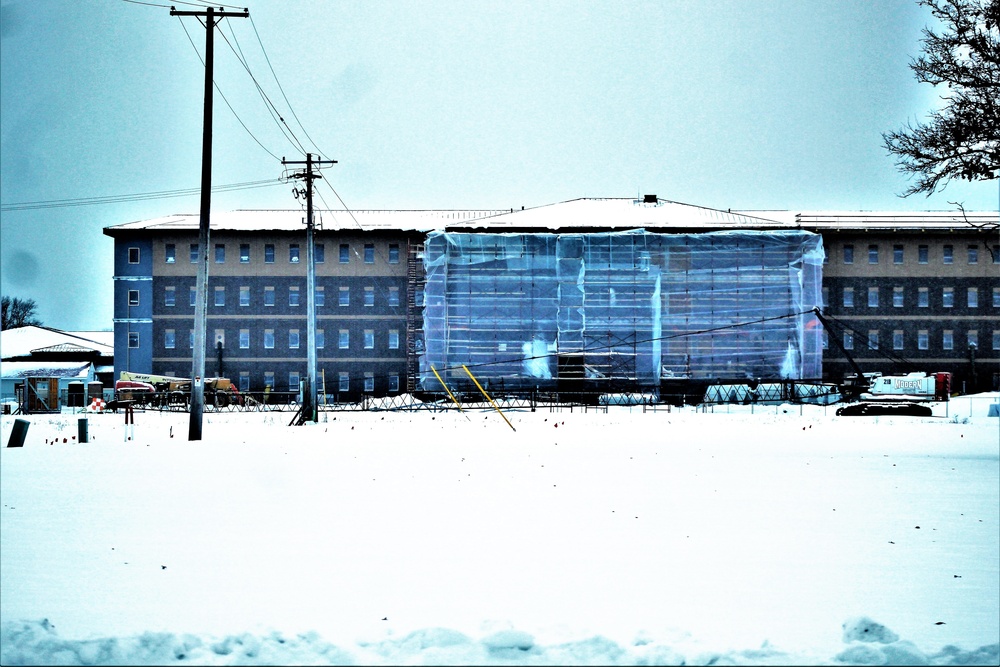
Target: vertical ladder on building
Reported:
point(414, 311)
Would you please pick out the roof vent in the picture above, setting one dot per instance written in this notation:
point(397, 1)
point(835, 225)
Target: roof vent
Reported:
point(650, 199)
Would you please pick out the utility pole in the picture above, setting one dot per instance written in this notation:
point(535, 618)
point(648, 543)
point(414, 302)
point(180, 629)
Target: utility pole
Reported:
point(310, 408)
point(212, 17)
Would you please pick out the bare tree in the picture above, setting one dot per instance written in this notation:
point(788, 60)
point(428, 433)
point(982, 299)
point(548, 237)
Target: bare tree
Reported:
point(18, 312)
point(961, 140)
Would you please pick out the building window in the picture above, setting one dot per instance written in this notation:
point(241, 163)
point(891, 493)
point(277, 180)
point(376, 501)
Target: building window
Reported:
point(826, 339)
point(897, 339)
point(269, 380)
point(244, 381)
point(923, 252)
point(369, 253)
point(848, 297)
point(848, 254)
point(972, 338)
point(848, 340)
point(293, 295)
point(320, 339)
point(873, 339)
point(293, 339)
point(194, 253)
point(923, 297)
point(973, 254)
point(948, 297)
point(169, 296)
point(873, 297)
point(393, 296)
point(133, 297)
point(873, 254)
point(192, 296)
point(369, 382)
point(269, 253)
point(826, 298)
point(393, 383)
point(220, 338)
point(923, 340)
point(244, 253)
point(897, 297)
point(345, 253)
point(996, 339)
point(369, 339)
point(268, 339)
point(320, 297)
point(244, 339)
point(319, 253)
point(394, 253)
point(345, 296)
point(393, 339)
point(245, 295)
point(948, 254)
point(170, 250)
point(972, 297)
point(369, 296)
point(133, 339)
point(995, 254)
point(293, 381)
point(947, 340)
point(269, 296)
point(220, 253)
point(169, 339)
point(133, 255)
point(191, 338)
point(293, 253)
point(343, 381)
point(897, 254)
point(220, 296)
point(344, 339)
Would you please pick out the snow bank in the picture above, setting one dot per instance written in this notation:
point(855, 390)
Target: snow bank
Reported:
point(782, 536)
point(38, 643)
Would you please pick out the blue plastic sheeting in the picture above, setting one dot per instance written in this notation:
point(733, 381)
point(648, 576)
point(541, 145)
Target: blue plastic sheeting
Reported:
point(620, 310)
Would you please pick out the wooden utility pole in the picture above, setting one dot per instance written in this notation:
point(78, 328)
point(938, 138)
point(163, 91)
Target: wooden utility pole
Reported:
point(310, 408)
point(212, 17)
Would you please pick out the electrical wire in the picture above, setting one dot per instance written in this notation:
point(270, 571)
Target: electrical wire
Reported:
point(139, 196)
point(271, 108)
point(280, 88)
point(223, 95)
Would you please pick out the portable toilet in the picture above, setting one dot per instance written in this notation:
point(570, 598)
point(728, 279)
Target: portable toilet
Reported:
point(74, 395)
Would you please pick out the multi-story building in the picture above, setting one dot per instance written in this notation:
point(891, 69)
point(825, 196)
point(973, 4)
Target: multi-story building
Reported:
point(914, 291)
point(908, 291)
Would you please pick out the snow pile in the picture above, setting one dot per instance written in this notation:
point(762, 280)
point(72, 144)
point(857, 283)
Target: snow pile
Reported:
point(37, 643)
point(628, 537)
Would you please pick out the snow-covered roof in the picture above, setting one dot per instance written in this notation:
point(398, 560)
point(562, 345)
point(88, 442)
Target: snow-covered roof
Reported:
point(882, 220)
point(23, 341)
point(60, 369)
point(294, 220)
point(599, 213)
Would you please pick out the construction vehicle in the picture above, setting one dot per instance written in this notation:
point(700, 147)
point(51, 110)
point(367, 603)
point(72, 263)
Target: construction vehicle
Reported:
point(878, 394)
point(165, 391)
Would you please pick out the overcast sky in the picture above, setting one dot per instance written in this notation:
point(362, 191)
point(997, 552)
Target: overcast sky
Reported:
point(742, 104)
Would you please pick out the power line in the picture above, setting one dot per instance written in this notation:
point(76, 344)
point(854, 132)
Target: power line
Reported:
point(294, 115)
point(138, 196)
point(224, 97)
point(275, 114)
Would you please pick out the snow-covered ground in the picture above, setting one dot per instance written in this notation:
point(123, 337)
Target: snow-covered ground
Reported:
point(785, 536)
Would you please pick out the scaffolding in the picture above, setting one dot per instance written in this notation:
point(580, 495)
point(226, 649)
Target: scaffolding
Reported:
point(620, 311)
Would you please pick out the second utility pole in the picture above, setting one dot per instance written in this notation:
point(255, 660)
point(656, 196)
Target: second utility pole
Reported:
point(201, 288)
point(310, 408)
